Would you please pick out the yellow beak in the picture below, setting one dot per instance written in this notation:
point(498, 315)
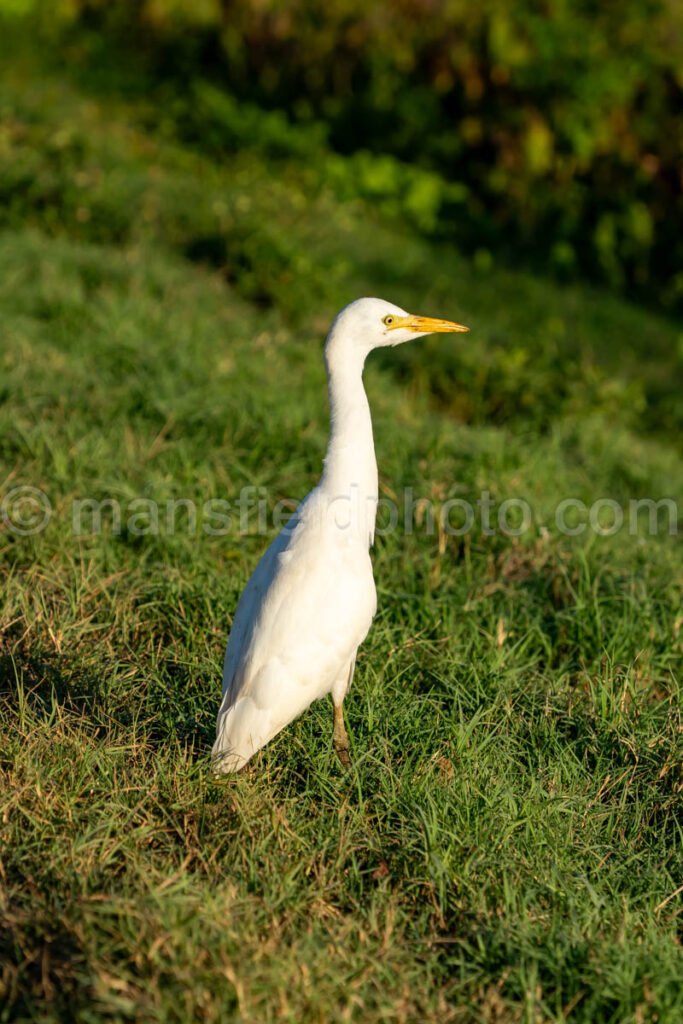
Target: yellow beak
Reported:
point(427, 325)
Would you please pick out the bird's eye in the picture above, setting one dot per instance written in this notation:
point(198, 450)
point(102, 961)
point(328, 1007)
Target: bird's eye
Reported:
point(388, 320)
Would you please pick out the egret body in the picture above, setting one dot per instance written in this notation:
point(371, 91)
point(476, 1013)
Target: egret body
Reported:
point(311, 599)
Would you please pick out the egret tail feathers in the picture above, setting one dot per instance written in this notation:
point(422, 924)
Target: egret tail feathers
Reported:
point(242, 730)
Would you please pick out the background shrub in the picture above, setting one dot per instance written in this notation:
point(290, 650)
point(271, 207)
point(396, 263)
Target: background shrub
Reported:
point(558, 123)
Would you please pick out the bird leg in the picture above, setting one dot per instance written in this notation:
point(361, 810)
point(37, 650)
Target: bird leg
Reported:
point(340, 737)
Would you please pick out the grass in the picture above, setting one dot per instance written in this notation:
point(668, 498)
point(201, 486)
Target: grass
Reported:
point(508, 845)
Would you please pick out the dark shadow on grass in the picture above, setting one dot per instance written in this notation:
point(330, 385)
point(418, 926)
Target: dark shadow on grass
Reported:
point(172, 705)
point(42, 959)
point(46, 681)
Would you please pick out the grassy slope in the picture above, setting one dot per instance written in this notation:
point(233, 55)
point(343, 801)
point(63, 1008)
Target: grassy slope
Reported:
point(507, 842)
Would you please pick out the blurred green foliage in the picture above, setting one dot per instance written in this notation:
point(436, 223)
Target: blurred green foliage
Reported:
point(550, 129)
point(305, 239)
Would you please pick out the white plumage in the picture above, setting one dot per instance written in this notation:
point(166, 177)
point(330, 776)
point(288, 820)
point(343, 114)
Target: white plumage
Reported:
point(311, 599)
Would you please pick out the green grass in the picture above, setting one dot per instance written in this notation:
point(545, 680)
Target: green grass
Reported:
point(509, 842)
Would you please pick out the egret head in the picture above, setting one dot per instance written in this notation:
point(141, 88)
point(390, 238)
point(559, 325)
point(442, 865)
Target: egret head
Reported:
point(374, 323)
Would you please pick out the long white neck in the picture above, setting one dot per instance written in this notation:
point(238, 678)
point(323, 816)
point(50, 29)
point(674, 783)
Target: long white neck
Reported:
point(350, 474)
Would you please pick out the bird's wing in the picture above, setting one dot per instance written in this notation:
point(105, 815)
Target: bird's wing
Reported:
point(305, 610)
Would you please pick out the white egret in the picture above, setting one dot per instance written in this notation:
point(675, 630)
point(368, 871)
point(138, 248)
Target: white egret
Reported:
point(311, 599)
